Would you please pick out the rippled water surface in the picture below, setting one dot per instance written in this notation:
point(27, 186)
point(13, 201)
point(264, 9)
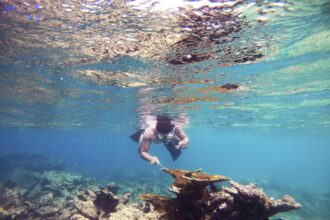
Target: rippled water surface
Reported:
point(76, 63)
point(252, 77)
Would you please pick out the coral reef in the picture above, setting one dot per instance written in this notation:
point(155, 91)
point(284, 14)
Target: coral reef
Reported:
point(195, 201)
point(103, 204)
point(18, 167)
point(50, 198)
point(61, 195)
point(54, 194)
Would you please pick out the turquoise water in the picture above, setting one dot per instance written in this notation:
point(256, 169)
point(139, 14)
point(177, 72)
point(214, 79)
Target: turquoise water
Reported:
point(62, 95)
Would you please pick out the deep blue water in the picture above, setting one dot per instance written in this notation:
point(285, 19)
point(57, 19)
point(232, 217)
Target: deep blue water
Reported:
point(288, 158)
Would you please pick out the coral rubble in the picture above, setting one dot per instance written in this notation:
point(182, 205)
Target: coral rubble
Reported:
point(195, 201)
point(104, 204)
point(50, 198)
point(61, 195)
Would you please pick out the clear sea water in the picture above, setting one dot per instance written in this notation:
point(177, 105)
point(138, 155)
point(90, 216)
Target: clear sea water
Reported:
point(273, 130)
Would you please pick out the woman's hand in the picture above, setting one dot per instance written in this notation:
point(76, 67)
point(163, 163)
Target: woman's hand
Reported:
point(181, 145)
point(154, 160)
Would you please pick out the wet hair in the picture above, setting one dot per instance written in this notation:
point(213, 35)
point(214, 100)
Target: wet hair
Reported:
point(164, 124)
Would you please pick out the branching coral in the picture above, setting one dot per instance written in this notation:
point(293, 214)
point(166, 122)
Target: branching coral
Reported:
point(195, 201)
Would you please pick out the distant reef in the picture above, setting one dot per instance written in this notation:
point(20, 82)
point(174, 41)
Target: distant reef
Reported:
point(60, 195)
point(31, 162)
point(56, 194)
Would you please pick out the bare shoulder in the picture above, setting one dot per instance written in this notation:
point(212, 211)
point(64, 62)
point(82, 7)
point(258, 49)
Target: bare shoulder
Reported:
point(149, 133)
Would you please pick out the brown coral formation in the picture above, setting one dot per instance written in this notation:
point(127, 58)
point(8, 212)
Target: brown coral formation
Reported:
point(192, 184)
point(195, 201)
point(94, 205)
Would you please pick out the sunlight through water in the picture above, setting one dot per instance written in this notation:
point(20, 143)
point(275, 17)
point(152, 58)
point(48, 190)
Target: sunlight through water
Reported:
point(77, 57)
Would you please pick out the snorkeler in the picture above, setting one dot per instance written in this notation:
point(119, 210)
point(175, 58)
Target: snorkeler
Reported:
point(165, 131)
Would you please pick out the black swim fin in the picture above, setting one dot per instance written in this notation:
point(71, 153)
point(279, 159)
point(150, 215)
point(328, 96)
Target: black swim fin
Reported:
point(175, 153)
point(136, 136)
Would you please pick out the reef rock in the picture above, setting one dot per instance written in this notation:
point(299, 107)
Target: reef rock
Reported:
point(195, 201)
point(51, 197)
point(61, 195)
point(11, 203)
point(105, 205)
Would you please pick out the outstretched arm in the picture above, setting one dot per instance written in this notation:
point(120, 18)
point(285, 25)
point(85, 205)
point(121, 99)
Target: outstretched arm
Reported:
point(144, 148)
